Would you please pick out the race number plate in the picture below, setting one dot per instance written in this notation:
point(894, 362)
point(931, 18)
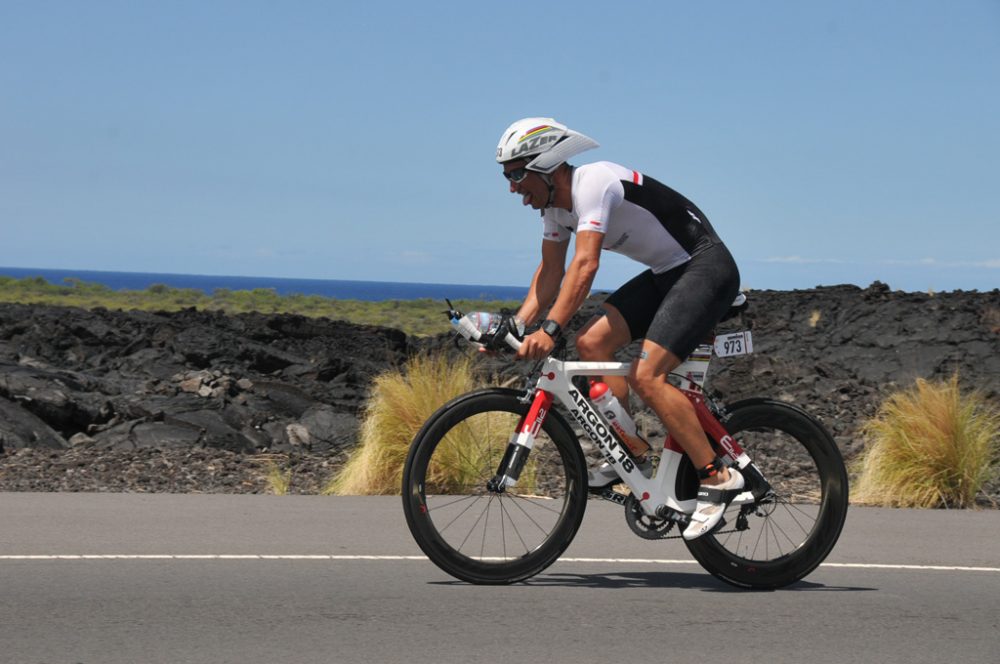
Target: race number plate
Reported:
point(737, 343)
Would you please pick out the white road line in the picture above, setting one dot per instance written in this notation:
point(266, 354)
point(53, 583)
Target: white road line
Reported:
point(331, 557)
point(199, 556)
point(933, 568)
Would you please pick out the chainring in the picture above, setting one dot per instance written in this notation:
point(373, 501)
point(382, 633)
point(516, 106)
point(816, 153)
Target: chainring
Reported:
point(643, 525)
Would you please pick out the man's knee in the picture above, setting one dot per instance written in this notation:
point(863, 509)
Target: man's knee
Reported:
point(592, 346)
point(645, 379)
point(596, 341)
point(650, 369)
point(603, 335)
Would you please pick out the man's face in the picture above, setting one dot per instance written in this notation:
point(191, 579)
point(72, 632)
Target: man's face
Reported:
point(531, 188)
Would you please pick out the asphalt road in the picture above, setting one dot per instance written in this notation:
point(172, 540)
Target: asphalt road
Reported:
point(113, 578)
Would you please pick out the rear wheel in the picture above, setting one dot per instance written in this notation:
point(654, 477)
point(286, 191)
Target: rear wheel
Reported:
point(787, 535)
point(467, 528)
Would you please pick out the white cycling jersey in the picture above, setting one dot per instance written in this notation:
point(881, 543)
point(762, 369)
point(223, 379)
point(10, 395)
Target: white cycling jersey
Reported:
point(639, 217)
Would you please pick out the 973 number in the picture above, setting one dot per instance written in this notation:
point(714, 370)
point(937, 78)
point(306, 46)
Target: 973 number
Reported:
point(732, 346)
point(737, 343)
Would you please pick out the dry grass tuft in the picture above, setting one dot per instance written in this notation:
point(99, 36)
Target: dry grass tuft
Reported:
point(929, 446)
point(278, 481)
point(814, 317)
point(400, 403)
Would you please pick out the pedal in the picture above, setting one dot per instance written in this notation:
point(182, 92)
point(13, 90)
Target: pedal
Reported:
point(612, 496)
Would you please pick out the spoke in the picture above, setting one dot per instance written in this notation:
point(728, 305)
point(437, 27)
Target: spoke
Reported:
point(778, 529)
point(739, 540)
point(772, 533)
point(473, 528)
point(453, 502)
point(486, 528)
point(460, 516)
point(470, 489)
point(514, 526)
point(723, 542)
point(490, 453)
point(473, 523)
point(791, 510)
point(535, 503)
point(756, 544)
point(789, 506)
point(463, 452)
point(531, 518)
point(503, 530)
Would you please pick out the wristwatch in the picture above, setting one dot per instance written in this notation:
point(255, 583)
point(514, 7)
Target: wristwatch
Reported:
point(551, 328)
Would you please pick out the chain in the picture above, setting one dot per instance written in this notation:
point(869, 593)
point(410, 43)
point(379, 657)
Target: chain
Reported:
point(717, 532)
point(620, 499)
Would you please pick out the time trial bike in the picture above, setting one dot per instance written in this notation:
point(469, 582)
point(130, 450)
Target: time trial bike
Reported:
point(495, 482)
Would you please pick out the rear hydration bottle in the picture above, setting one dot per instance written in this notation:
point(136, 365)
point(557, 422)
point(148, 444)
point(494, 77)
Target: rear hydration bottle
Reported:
point(606, 402)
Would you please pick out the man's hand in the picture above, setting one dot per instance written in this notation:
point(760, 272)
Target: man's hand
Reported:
point(536, 346)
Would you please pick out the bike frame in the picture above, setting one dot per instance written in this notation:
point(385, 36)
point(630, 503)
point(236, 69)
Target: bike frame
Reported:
point(654, 494)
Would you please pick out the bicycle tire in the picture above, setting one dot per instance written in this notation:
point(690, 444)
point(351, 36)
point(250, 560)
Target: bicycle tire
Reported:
point(533, 522)
point(794, 533)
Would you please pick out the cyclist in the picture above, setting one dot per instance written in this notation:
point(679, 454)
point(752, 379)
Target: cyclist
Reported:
point(673, 305)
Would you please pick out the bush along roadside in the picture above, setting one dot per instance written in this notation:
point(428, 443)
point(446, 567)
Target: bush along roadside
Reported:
point(931, 445)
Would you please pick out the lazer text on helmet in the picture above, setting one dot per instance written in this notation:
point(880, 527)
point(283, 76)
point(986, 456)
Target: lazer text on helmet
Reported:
point(532, 144)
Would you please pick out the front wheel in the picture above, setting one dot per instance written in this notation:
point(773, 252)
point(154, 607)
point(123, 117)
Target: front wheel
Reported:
point(456, 516)
point(788, 534)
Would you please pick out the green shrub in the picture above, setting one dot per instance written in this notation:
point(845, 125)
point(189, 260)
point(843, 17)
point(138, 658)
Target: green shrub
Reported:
point(417, 317)
point(929, 446)
point(400, 403)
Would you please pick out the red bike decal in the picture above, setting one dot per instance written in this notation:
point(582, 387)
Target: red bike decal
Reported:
point(533, 421)
point(712, 427)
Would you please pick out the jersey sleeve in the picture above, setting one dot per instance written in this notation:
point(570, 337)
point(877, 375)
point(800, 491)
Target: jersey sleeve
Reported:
point(552, 229)
point(599, 193)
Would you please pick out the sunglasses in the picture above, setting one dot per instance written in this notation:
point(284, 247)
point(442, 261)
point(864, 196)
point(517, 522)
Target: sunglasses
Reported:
point(515, 175)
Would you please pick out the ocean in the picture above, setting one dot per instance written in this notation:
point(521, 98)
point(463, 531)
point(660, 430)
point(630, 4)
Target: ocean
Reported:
point(372, 291)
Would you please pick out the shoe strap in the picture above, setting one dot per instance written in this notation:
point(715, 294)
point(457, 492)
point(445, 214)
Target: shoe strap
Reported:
point(707, 494)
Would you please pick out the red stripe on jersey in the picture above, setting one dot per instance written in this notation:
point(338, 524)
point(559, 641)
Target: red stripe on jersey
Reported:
point(635, 177)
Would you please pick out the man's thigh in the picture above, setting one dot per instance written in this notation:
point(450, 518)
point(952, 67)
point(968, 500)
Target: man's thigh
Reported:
point(606, 332)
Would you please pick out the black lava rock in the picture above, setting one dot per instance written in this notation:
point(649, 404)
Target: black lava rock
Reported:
point(124, 385)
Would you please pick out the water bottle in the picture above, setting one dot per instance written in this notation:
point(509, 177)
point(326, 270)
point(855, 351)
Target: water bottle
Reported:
point(606, 401)
point(477, 323)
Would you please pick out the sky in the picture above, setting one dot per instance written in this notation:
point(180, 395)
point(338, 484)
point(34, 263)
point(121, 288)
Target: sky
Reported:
point(828, 142)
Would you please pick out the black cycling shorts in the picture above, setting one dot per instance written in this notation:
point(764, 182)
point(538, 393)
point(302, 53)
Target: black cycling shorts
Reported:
point(679, 308)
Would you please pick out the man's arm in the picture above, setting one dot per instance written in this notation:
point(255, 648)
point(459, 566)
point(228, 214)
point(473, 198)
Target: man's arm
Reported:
point(575, 288)
point(545, 283)
point(579, 277)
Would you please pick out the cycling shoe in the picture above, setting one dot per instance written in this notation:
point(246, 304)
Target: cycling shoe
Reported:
point(756, 486)
point(712, 504)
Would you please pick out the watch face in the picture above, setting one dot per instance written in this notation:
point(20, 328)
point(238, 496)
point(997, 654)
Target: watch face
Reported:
point(550, 327)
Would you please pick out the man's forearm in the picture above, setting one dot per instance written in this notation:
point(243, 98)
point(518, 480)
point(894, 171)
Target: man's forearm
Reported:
point(544, 287)
point(575, 289)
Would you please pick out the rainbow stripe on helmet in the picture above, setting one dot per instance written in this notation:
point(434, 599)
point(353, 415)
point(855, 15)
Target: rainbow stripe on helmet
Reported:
point(541, 129)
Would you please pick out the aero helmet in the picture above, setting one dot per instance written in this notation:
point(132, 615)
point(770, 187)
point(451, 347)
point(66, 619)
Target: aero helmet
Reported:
point(549, 142)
